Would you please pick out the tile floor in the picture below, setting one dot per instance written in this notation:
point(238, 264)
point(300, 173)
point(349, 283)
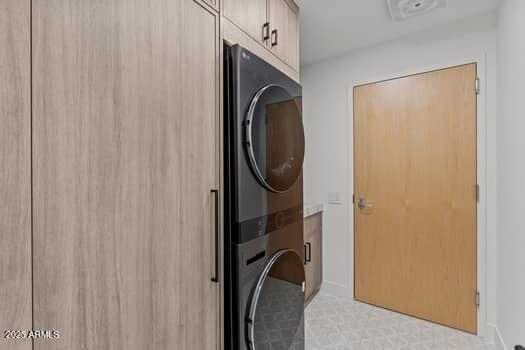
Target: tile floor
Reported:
point(340, 323)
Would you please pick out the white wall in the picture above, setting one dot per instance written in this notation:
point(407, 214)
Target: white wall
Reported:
point(511, 172)
point(328, 163)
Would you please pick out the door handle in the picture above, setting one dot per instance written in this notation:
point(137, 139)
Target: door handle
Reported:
point(362, 204)
point(275, 37)
point(309, 252)
point(215, 277)
point(266, 31)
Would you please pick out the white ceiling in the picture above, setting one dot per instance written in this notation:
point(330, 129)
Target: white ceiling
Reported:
point(333, 27)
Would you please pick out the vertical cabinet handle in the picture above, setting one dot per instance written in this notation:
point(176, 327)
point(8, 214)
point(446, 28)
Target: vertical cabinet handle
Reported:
point(305, 252)
point(215, 278)
point(275, 37)
point(266, 31)
point(309, 251)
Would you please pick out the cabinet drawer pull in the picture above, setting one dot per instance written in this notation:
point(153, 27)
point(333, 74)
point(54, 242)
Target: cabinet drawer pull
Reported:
point(266, 31)
point(305, 252)
point(275, 37)
point(215, 278)
point(309, 252)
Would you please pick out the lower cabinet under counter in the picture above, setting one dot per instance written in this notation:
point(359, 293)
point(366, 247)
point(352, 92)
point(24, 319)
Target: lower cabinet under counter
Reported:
point(313, 250)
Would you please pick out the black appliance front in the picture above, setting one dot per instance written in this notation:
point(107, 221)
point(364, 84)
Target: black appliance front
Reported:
point(264, 153)
point(266, 144)
point(270, 304)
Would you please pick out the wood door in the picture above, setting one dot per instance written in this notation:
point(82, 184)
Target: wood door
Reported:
point(249, 15)
point(15, 172)
point(125, 154)
point(415, 164)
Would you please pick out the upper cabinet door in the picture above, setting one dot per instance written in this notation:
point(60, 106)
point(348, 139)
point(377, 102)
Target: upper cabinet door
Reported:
point(292, 37)
point(273, 23)
point(126, 131)
point(284, 33)
point(250, 16)
point(278, 27)
point(15, 172)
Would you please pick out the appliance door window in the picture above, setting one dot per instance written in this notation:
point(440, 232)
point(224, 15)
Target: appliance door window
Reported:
point(276, 313)
point(274, 137)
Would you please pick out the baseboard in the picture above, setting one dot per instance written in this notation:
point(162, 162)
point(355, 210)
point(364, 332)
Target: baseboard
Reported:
point(335, 289)
point(498, 339)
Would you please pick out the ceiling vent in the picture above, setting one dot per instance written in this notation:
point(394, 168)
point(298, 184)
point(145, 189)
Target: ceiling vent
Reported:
point(405, 9)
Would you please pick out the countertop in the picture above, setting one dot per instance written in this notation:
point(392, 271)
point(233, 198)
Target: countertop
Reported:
point(310, 209)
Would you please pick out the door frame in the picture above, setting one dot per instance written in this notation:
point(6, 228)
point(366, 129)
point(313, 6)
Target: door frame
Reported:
point(482, 215)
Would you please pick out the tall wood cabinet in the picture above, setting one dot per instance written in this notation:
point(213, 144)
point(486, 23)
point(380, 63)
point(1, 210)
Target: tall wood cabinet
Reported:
point(15, 173)
point(118, 164)
point(110, 171)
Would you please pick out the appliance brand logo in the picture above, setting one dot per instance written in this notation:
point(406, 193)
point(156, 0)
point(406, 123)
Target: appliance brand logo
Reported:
point(245, 56)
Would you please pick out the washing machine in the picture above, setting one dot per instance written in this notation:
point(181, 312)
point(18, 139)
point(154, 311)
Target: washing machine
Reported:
point(264, 250)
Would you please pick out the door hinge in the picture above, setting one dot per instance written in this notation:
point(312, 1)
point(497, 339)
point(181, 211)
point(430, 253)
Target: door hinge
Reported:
point(478, 302)
point(353, 199)
point(477, 86)
point(477, 193)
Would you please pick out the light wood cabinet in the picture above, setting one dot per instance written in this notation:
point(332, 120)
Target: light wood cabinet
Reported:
point(233, 35)
point(274, 24)
point(15, 172)
point(109, 186)
point(292, 37)
point(278, 27)
point(284, 31)
point(213, 3)
point(251, 16)
point(125, 155)
point(313, 244)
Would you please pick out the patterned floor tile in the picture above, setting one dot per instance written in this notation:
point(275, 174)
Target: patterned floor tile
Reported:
point(340, 323)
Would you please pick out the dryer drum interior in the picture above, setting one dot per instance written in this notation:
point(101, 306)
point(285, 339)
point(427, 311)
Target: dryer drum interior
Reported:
point(274, 137)
point(276, 311)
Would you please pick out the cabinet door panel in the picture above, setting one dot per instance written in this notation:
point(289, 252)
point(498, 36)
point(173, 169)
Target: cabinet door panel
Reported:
point(314, 245)
point(125, 137)
point(284, 39)
point(309, 277)
point(278, 26)
point(249, 15)
point(213, 3)
point(316, 257)
point(15, 172)
point(292, 38)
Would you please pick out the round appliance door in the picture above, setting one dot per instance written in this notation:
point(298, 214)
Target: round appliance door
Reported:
point(274, 137)
point(275, 317)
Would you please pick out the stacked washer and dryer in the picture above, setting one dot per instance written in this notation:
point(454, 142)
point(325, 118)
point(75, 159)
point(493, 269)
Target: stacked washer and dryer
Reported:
point(264, 249)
